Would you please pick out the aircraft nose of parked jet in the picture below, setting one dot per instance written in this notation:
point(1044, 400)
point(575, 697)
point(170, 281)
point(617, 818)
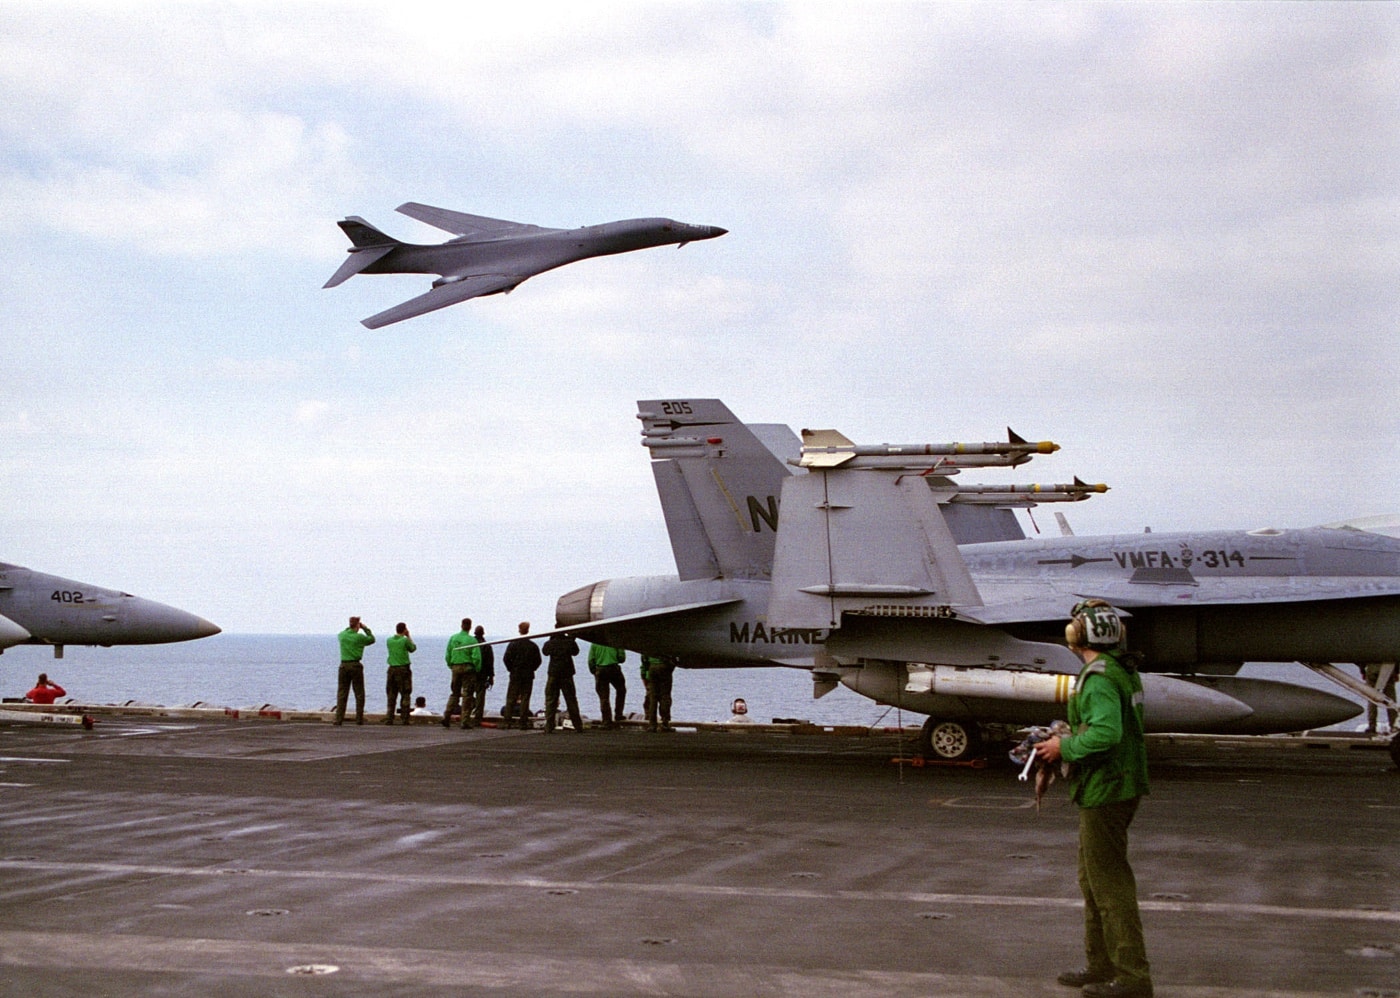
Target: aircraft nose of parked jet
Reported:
point(205, 629)
point(11, 633)
point(154, 621)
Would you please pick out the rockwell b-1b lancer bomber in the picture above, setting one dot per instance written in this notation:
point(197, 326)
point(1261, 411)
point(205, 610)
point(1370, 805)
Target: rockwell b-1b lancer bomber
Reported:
point(492, 256)
point(40, 609)
point(885, 575)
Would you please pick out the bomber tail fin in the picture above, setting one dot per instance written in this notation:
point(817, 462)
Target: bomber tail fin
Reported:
point(369, 246)
point(719, 481)
point(364, 235)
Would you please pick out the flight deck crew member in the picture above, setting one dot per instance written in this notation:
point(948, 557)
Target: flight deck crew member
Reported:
point(644, 670)
point(656, 674)
point(522, 659)
point(44, 691)
point(398, 683)
point(1107, 781)
point(606, 665)
point(352, 670)
point(1371, 672)
point(464, 659)
point(560, 649)
point(485, 673)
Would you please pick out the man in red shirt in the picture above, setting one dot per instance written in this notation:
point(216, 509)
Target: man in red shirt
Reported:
point(44, 691)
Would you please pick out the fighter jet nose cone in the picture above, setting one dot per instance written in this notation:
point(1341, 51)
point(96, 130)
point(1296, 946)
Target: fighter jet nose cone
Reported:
point(715, 230)
point(158, 623)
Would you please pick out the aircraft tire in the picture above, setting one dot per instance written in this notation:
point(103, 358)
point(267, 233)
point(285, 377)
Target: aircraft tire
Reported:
point(1395, 750)
point(949, 741)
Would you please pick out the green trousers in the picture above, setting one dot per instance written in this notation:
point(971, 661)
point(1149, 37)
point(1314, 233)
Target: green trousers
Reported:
point(1113, 940)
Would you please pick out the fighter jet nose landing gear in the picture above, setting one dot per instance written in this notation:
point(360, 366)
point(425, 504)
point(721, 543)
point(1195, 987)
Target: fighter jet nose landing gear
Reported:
point(949, 741)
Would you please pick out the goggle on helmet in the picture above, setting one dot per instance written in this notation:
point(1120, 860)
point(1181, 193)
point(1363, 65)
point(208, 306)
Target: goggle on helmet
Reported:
point(1094, 624)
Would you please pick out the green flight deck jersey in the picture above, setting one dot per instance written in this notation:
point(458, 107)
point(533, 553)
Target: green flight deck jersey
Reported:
point(1107, 746)
point(354, 643)
point(399, 646)
point(604, 655)
point(462, 650)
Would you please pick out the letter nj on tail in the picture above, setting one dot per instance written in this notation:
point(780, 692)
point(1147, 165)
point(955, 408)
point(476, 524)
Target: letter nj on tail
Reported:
point(491, 256)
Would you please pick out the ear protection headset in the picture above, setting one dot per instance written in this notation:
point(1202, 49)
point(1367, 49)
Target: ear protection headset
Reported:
point(1094, 624)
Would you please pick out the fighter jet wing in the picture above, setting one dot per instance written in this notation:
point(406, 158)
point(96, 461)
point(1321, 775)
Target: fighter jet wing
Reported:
point(1022, 611)
point(658, 613)
point(1015, 602)
point(461, 224)
point(444, 295)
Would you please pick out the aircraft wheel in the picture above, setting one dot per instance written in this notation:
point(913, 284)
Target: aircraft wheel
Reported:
point(1395, 750)
point(950, 741)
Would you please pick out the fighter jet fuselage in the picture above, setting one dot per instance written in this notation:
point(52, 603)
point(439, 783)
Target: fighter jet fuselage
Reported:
point(36, 608)
point(1210, 633)
point(1203, 600)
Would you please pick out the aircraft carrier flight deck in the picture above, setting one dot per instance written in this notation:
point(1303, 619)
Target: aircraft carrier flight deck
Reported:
point(173, 855)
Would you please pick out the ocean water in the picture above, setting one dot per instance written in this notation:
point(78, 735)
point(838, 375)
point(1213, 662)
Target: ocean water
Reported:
point(298, 672)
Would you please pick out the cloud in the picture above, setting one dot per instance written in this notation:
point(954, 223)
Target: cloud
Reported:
point(1165, 234)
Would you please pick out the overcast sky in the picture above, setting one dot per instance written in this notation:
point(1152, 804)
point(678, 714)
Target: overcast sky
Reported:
point(1165, 236)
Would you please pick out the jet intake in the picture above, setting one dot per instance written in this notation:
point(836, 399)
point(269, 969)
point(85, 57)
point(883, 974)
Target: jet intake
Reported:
point(581, 605)
point(12, 634)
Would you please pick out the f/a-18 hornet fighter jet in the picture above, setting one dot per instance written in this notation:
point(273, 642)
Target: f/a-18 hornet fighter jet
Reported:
point(885, 575)
point(492, 256)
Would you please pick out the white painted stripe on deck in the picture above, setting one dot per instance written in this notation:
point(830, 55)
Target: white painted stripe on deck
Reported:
point(700, 890)
point(521, 972)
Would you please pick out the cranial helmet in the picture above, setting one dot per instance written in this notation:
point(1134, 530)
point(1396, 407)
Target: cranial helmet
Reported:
point(1094, 624)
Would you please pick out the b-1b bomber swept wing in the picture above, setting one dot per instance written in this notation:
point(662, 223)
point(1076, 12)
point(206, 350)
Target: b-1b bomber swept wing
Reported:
point(490, 255)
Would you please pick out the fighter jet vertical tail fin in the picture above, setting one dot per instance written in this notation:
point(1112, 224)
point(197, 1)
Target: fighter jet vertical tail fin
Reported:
point(369, 246)
point(719, 482)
